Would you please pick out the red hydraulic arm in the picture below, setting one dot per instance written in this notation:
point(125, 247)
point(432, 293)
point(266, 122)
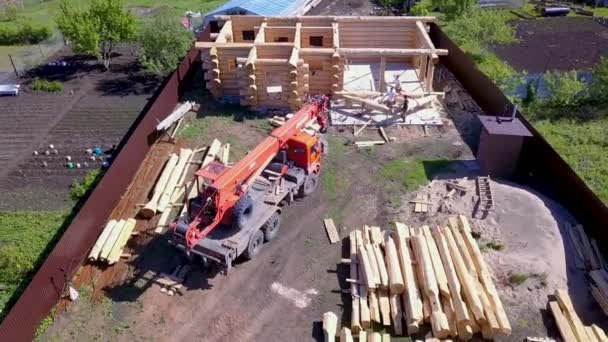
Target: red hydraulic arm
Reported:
point(228, 188)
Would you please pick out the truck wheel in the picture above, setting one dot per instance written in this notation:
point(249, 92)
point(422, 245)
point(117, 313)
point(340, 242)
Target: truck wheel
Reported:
point(309, 186)
point(255, 245)
point(271, 227)
point(241, 213)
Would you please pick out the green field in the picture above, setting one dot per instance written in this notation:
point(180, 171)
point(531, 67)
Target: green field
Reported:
point(26, 237)
point(584, 145)
point(38, 12)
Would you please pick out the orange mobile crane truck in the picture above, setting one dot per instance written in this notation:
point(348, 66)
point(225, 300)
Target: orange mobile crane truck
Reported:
point(239, 207)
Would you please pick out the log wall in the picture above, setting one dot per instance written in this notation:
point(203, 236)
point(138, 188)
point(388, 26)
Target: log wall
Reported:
point(327, 35)
point(396, 35)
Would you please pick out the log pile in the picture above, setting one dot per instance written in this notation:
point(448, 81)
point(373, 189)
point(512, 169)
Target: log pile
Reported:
point(570, 326)
point(589, 258)
point(408, 276)
point(110, 244)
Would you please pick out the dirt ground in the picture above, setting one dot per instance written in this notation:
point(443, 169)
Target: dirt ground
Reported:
point(95, 109)
point(556, 44)
point(282, 294)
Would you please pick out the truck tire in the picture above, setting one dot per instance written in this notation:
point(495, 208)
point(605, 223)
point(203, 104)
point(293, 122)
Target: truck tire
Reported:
point(241, 213)
point(309, 186)
point(255, 245)
point(271, 227)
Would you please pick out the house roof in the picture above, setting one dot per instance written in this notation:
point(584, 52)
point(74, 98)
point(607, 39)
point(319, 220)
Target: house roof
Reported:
point(261, 7)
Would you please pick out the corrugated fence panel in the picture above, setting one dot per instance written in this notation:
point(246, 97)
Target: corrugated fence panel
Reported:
point(44, 290)
point(539, 165)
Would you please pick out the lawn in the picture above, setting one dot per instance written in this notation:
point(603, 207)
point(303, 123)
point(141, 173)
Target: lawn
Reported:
point(584, 146)
point(39, 12)
point(26, 237)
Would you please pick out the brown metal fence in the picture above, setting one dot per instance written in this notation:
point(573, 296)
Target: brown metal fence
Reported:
point(539, 165)
point(45, 289)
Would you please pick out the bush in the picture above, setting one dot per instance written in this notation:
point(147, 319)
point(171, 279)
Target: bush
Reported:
point(599, 82)
point(454, 8)
point(565, 89)
point(81, 190)
point(47, 86)
point(422, 8)
point(24, 34)
point(480, 27)
point(10, 13)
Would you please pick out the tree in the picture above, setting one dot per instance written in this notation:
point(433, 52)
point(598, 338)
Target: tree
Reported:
point(454, 8)
point(163, 41)
point(599, 82)
point(97, 30)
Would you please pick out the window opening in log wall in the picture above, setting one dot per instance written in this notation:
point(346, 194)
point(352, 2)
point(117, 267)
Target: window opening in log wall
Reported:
point(248, 35)
point(315, 40)
point(282, 40)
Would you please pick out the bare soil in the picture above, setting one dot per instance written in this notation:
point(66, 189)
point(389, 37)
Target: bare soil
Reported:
point(95, 109)
point(282, 293)
point(556, 44)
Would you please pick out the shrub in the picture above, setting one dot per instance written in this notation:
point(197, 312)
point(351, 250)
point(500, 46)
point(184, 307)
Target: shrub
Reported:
point(24, 34)
point(81, 190)
point(10, 13)
point(422, 8)
point(47, 86)
point(454, 8)
point(471, 32)
point(565, 89)
point(599, 82)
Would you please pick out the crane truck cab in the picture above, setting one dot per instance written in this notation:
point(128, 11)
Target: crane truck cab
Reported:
point(239, 207)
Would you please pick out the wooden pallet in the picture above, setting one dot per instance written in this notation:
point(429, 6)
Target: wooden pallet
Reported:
point(421, 203)
point(486, 199)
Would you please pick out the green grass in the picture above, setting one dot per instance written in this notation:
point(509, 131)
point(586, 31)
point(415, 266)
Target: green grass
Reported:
point(43, 13)
point(495, 245)
point(25, 239)
point(335, 181)
point(518, 278)
point(403, 176)
point(584, 146)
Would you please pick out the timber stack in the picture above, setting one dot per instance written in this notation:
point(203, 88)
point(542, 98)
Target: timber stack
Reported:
point(570, 326)
point(408, 276)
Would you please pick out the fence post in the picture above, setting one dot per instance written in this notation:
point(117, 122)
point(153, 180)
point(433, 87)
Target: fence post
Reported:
point(13, 64)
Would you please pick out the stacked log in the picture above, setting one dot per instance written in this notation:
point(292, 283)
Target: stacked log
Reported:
point(433, 274)
point(214, 83)
point(336, 73)
point(110, 244)
point(570, 326)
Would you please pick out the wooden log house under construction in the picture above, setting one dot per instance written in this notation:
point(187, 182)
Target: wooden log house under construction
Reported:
point(275, 62)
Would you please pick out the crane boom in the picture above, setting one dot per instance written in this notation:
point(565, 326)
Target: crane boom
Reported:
point(233, 183)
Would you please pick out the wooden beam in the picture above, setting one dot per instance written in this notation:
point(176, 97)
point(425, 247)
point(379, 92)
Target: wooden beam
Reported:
point(575, 322)
point(562, 323)
point(261, 36)
point(317, 51)
point(293, 58)
point(382, 82)
point(413, 304)
point(330, 325)
point(251, 59)
point(225, 34)
point(371, 52)
point(208, 45)
point(297, 40)
point(332, 232)
point(342, 19)
point(424, 38)
point(336, 36)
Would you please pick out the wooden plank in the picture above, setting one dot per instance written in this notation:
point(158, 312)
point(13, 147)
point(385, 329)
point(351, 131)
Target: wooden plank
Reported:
point(563, 325)
point(330, 325)
point(463, 249)
point(374, 306)
point(149, 210)
point(598, 254)
point(354, 288)
point(466, 280)
point(384, 281)
point(364, 307)
point(485, 276)
point(101, 240)
point(176, 174)
point(396, 313)
point(412, 301)
point(331, 230)
point(385, 307)
point(591, 334)
point(226, 153)
point(395, 277)
point(599, 333)
point(568, 309)
point(424, 38)
point(592, 261)
point(111, 240)
point(369, 276)
point(121, 241)
point(371, 255)
point(579, 259)
point(440, 275)
point(346, 335)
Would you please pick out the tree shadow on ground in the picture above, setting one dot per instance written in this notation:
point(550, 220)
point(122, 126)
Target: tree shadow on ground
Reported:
point(132, 84)
point(65, 68)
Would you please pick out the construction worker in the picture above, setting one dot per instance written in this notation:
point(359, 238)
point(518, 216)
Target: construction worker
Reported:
point(390, 98)
point(405, 107)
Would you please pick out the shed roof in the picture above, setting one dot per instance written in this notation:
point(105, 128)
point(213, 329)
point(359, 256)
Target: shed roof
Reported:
point(504, 127)
point(261, 7)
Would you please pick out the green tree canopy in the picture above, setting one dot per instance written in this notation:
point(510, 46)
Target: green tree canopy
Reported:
point(164, 41)
point(453, 8)
point(96, 30)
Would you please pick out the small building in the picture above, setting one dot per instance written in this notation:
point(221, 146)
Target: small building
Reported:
point(259, 7)
point(276, 62)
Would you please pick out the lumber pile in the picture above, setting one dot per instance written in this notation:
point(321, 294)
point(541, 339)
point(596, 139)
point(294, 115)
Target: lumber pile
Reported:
point(588, 257)
point(109, 246)
point(172, 283)
point(570, 326)
point(408, 276)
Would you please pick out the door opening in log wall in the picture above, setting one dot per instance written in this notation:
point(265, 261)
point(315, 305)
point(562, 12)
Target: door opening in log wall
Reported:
point(278, 61)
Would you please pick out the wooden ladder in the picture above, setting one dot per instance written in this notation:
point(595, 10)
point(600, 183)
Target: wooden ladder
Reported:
point(486, 199)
